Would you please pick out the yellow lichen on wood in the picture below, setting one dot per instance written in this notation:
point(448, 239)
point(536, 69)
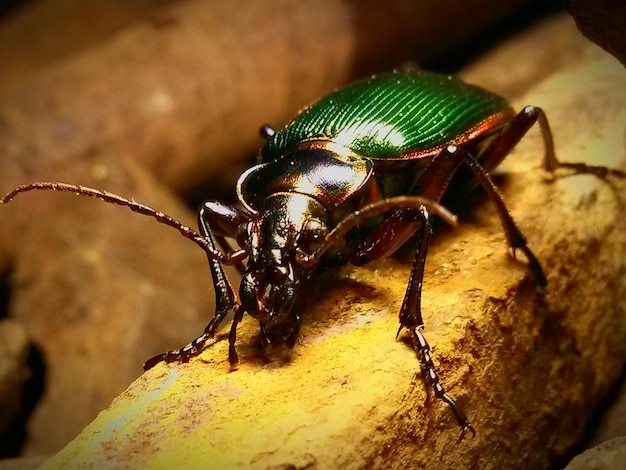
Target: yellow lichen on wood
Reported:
point(526, 365)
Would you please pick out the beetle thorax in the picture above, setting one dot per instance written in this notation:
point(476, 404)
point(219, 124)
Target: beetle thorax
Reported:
point(286, 223)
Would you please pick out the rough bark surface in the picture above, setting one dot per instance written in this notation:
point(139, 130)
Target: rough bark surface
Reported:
point(527, 365)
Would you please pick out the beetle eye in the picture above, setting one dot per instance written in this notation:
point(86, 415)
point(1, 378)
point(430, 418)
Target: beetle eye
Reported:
point(266, 131)
point(312, 235)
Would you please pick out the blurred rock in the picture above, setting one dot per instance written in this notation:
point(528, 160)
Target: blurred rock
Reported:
point(99, 289)
point(184, 89)
point(14, 371)
point(612, 424)
point(22, 463)
point(602, 21)
point(610, 455)
point(45, 33)
point(530, 57)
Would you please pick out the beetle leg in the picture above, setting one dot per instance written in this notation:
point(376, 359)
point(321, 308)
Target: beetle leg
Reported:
point(514, 236)
point(438, 176)
point(387, 238)
point(184, 354)
point(368, 211)
point(224, 294)
point(551, 163)
point(423, 349)
point(226, 218)
point(502, 145)
point(410, 312)
point(266, 342)
point(232, 337)
point(290, 340)
point(411, 318)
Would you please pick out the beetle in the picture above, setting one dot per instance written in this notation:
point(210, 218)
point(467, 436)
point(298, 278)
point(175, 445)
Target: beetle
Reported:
point(349, 180)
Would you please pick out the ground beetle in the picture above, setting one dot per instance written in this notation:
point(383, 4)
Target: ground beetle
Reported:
point(349, 180)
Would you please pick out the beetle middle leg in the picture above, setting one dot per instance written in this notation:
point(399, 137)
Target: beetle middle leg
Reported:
point(411, 318)
point(393, 232)
point(226, 219)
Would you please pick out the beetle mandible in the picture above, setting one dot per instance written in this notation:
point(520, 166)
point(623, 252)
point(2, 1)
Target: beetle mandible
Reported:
point(389, 144)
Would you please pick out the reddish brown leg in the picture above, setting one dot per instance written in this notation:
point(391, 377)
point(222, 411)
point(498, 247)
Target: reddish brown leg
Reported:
point(226, 219)
point(513, 234)
point(515, 131)
point(406, 222)
point(411, 318)
point(233, 359)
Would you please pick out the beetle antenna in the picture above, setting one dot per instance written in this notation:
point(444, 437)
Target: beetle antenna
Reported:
point(372, 210)
point(111, 198)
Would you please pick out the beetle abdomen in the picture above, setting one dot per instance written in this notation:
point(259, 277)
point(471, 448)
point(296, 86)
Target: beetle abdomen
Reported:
point(405, 115)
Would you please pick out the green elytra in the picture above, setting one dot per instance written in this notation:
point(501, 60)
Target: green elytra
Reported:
point(400, 114)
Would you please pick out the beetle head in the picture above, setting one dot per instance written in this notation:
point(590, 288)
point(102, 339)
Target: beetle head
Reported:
point(287, 222)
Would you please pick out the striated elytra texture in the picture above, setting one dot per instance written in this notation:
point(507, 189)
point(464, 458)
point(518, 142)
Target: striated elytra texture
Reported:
point(378, 117)
point(527, 365)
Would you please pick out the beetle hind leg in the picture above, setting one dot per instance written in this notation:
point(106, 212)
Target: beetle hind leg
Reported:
point(515, 238)
point(517, 129)
point(551, 163)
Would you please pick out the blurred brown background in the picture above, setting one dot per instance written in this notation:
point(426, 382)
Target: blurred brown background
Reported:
point(161, 101)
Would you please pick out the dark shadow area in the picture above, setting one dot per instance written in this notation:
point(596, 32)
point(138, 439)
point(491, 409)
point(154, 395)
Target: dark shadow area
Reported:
point(4, 298)
point(220, 189)
point(463, 54)
point(11, 444)
point(430, 52)
point(9, 6)
point(596, 421)
point(12, 441)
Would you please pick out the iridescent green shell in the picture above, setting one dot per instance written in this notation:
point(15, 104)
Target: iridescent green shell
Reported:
point(396, 115)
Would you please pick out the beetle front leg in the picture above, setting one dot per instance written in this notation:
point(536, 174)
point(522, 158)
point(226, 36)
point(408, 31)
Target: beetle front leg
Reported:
point(233, 359)
point(411, 319)
point(227, 219)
